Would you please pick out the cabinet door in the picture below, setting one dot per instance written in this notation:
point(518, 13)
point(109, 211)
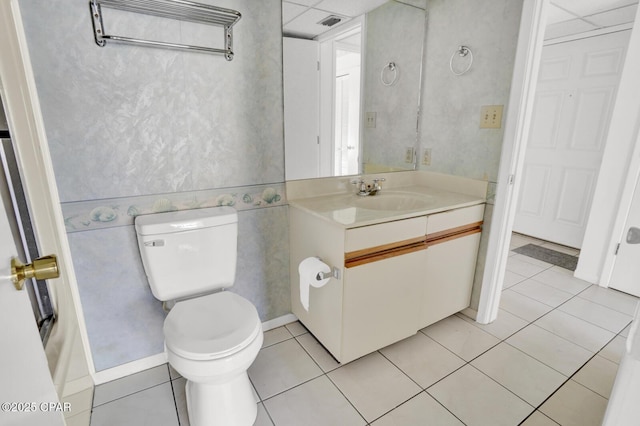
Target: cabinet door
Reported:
point(453, 238)
point(381, 303)
point(450, 272)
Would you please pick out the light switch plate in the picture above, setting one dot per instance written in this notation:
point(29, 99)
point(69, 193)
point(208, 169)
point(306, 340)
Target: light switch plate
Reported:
point(426, 157)
point(408, 154)
point(370, 119)
point(491, 116)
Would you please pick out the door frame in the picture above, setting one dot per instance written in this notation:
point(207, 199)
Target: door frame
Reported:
point(517, 125)
point(625, 129)
point(531, 223)
point(618, 233)
point(326, 126)
point(596, 251)
point(69, 341)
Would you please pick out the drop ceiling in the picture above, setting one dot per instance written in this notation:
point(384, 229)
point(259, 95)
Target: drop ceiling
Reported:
point(300, 17)
point(568, 17)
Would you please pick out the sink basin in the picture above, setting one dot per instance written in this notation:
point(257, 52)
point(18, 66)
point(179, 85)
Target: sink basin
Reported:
point(395, 201)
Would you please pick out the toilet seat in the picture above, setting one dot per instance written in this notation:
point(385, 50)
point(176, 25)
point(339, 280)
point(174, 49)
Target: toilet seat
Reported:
point(211, 327)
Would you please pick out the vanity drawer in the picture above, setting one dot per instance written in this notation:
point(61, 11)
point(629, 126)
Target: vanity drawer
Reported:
point(384, 234)
point(454, 218)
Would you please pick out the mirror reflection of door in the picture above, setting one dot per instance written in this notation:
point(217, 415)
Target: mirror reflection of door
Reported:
point(346, 126)
point(322, 98)
point(340, 99)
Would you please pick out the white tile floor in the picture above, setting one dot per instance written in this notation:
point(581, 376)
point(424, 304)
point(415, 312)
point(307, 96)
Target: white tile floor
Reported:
point(550, 358)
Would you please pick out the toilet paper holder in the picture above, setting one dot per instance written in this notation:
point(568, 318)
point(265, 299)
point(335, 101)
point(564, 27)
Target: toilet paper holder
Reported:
point(335, 273)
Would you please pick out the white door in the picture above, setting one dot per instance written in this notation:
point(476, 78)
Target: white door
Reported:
point(626, 270)
point(574, 99)
point(301, 108)
point(27, 393)
point(347, 109)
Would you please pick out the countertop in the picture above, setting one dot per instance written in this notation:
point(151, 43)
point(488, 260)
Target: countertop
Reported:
point(350, 210)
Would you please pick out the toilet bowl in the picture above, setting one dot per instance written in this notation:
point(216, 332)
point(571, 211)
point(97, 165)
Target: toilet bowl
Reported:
point(211, 339)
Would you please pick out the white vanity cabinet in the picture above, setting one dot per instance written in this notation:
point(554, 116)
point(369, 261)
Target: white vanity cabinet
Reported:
point(384, 266)
point(452, 241)
point(397, 276)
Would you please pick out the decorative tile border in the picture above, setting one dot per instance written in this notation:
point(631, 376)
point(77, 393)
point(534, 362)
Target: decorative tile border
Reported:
point(107, 213)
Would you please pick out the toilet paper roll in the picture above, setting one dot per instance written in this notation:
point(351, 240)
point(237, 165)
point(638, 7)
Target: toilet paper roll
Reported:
point(308, 270)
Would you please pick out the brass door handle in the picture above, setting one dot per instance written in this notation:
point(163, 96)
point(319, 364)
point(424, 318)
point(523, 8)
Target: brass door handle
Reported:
point(43, 268)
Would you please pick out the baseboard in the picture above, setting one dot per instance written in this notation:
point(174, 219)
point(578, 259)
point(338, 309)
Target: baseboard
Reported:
point(78, 385)
point(139, 365)
point(469, 312)
point(278, 322)
point(129, 368)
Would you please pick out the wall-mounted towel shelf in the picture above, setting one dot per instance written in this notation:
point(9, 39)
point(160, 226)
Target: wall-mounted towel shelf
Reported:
point(173, 9)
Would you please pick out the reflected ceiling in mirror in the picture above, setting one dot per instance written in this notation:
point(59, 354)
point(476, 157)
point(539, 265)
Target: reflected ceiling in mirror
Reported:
point(352, 89)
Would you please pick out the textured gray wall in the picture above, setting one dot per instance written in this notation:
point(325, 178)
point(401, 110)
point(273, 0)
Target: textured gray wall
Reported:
point(125, 121)
point(450, 122)
point(395, 33)
point(451, 104)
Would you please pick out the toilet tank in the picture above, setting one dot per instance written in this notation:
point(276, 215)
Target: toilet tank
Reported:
point(188, 252)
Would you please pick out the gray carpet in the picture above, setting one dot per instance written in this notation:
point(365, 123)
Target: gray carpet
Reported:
point(550, 256)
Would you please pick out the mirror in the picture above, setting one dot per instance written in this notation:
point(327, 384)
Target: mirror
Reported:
point(352, 93)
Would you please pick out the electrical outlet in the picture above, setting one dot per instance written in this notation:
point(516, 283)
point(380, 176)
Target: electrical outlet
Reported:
point(408, 155)
point(370, 119)
point(491, 116)
point(426, 157)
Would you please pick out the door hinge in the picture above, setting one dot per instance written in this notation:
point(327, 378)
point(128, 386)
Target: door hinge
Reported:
point(512, 179)
point(617, 249)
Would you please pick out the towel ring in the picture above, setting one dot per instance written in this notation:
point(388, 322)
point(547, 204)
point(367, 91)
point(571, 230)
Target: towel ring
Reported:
point(462, 51)
point(393, 68)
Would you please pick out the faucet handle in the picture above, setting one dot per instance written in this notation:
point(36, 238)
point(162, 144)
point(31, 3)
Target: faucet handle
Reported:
point(362, 186)
point(376, 180)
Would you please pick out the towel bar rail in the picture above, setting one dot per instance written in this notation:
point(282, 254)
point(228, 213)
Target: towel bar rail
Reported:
point(173, 9)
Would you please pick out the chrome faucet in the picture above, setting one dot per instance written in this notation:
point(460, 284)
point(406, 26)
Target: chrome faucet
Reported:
point(365, 189)
point(376, 186)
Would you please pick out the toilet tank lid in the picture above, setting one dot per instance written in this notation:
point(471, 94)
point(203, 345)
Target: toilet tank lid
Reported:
point(185, 220)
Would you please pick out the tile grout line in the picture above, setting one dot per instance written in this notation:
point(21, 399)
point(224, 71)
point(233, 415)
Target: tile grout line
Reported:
point(130, 394)
point(175, 402)
point(537, 408)
point(422, 389)
point(504, 340)
point(542, 414)
point(326, 374)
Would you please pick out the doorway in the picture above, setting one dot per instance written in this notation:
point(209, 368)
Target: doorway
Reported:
point(626, 271)
point(64, 356)
point(346, 142)
point(13, 194)
point(575, 94)
point(517, 128)
point(340, 99)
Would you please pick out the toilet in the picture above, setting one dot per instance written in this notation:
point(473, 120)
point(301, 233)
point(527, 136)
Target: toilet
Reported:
point(211, 338)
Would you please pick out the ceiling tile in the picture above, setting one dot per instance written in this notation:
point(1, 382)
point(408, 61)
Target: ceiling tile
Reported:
point(555, 14)
point(588, 7)
point(291, 10)
point(422, 4)
point(307, 3)
point(623, 15)
point(561, 29)
point(350, 8)
point(307, 23)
